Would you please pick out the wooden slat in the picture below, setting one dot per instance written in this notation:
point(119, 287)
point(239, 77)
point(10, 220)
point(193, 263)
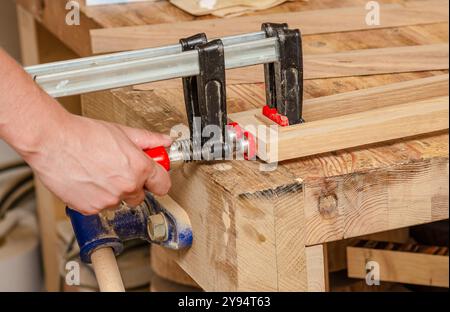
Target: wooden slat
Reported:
point(344, 64)
point(411, 264)
point(357, 118)
point(310, 22)
point(377, 97)
point(359, 129)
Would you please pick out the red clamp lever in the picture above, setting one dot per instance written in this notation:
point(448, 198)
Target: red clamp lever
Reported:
point(160, 155)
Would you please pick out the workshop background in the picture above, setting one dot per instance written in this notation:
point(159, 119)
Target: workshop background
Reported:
point(38, 250)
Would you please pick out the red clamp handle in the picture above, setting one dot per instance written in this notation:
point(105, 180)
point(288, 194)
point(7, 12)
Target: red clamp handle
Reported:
point(159, 155)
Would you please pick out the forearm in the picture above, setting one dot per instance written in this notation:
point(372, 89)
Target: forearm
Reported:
point(27, 113)
point(91, 165)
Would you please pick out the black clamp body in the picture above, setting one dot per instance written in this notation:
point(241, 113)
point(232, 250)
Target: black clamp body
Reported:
point(284, 78)
point(205, 96)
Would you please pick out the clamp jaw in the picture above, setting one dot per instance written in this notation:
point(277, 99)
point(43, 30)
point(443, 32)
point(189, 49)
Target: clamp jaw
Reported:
point(150, 221)
point(284, 79)
point(206, 105)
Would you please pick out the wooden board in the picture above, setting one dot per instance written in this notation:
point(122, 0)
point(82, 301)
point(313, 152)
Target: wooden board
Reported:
point(309, 22)
point(407, 263)
point(343, 64)
point(370, 122)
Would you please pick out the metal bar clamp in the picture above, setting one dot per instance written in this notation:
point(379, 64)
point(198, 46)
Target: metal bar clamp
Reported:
point(205, 99)
point(284, 78)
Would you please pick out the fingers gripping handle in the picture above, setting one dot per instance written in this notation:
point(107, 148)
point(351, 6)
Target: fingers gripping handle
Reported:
point(159, 155)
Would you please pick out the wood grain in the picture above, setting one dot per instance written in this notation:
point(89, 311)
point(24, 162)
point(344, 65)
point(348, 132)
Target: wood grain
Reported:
point(344, 64)
point(309, 22)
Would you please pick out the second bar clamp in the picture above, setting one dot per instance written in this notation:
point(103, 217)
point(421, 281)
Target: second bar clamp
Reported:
point(205, 94)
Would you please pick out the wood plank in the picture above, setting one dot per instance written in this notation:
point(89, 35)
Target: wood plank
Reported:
point(358, 129)
point(375, 97)
point(338, 112)
point(410, 264)
point(309, 22)
point(343, 64)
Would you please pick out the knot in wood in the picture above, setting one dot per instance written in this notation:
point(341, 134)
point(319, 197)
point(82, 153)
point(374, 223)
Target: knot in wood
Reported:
point(328, 206)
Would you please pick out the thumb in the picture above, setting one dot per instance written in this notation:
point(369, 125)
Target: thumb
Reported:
point(146, 139)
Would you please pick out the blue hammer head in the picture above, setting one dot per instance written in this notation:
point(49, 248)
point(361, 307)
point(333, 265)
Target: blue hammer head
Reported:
point(150, 221)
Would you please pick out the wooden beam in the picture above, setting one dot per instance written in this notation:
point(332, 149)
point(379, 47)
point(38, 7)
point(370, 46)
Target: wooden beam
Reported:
point(407, 263)
point(377, 61)
point(343, 64)
point(377, 117)
point(309, 22)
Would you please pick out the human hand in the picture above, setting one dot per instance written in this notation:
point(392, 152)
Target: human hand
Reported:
point(94, 165)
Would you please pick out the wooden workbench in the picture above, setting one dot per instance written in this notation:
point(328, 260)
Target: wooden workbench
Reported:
point(265, 230)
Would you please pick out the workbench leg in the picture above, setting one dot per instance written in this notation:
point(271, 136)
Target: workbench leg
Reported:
point(317, 268)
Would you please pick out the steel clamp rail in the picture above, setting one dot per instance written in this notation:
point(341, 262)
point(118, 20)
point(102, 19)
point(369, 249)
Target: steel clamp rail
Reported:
point(136, 67)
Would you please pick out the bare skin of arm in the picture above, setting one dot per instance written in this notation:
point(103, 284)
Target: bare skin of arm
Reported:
point(91, 165)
